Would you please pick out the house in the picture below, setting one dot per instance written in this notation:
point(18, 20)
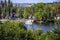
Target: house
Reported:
point(57, 16)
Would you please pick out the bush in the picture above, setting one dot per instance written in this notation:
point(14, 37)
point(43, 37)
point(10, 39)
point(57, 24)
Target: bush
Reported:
point(11, 30)
point(58, 22)
point(16, 31)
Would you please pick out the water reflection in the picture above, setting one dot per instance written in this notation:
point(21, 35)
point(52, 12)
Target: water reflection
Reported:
point(30, 25)
point(36, 26)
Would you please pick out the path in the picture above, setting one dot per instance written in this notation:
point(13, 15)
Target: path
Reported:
point(21, 20)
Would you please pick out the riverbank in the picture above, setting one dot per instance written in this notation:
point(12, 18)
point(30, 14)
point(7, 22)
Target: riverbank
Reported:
point(16, 20)
point(35, 21)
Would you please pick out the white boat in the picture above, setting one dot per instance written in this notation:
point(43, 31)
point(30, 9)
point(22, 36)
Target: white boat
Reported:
point(30, 22)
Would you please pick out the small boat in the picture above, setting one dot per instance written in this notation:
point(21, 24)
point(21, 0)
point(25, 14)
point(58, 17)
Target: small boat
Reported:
point(29, 22)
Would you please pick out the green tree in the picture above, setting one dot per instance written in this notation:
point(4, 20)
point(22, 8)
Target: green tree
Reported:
point(26, 13)
point(10, 5)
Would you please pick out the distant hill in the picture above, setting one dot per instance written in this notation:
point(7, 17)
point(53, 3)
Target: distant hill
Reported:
point(54, 3)
point(24, 5)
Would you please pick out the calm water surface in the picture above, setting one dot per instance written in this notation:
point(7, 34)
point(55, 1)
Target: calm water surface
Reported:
point(43, 27)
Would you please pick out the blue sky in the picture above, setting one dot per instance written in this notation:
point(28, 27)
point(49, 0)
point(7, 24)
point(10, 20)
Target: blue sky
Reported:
point(32, 1)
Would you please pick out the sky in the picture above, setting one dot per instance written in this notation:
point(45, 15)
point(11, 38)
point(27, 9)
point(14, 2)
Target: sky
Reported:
point(33, 1)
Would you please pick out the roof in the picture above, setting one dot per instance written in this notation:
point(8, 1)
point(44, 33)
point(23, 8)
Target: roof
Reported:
point(58, 15)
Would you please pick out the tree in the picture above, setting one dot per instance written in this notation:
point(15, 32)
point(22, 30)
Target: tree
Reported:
point(42, 12)
point(55, 9)
point(26, 13)
point(10, 5)
point(21, 12)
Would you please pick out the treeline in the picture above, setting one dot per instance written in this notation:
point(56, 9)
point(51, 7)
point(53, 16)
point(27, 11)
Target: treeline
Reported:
point(16, 31)
point(7, 10)
point(46, 13)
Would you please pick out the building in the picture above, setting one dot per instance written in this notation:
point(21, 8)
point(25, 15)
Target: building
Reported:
point(57, 16)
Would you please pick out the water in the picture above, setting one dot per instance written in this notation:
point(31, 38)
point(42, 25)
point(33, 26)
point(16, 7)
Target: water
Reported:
point(36, 26)
point(30, 25)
